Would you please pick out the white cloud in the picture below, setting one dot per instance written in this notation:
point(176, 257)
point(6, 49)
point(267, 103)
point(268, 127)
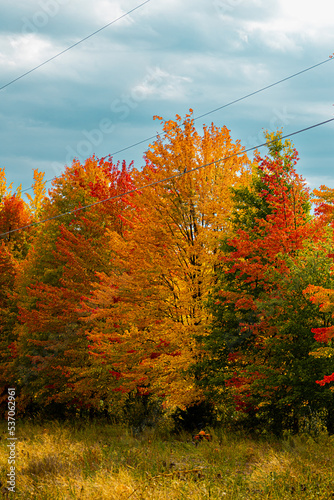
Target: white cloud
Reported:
point(279, 35)
point(159, 84)
point(23, 51)
point(308, 15)
point(292, 25)
point(106, 11)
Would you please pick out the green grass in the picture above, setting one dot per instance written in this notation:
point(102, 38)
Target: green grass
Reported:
point(98, 461)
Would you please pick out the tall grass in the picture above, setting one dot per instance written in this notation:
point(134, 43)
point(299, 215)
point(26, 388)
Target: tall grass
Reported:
point(99, 461)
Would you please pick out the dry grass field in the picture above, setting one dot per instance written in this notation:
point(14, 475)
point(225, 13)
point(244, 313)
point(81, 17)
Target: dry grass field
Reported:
point(106, 462)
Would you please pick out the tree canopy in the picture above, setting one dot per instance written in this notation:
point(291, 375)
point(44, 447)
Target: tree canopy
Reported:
point(202, 278)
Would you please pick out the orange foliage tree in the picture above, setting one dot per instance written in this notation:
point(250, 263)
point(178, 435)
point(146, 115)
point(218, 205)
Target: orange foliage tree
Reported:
point(323, 198)
point(14, 214)
point(324, 299)
point(51, 350)
point(8, 270)
point(144, 315)
point(14, 244)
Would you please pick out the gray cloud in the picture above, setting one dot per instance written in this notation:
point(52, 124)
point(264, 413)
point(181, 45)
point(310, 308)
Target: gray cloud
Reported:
point(163, 59)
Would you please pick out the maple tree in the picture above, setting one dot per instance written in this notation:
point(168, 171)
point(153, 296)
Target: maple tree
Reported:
point(14, 213)
point(8, 312)
point(145, 313)
point(39, 190)
point(52, 354)
point(291, 371)
point(255, 354)
point(323, 297)
point(4, 189)
point(323, 198)
point(320, 295)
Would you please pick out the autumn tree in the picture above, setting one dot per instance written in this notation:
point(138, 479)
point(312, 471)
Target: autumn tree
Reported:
point(14, 214)
point(256, 349)
point(323, 199)
point(322, 297)
point(8, 314)
point(145, 314)
point(39, 194)
point(52, 361)
point(14, 245)
point(292, 372)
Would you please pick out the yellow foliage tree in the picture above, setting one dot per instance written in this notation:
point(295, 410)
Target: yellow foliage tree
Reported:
point(146, 313)
point(35, 203)
point(4, 190)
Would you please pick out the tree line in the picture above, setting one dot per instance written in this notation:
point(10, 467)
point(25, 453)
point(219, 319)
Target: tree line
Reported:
point(190, 287)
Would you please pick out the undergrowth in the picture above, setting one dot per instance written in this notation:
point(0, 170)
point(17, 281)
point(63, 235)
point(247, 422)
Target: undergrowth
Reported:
point(97, 461)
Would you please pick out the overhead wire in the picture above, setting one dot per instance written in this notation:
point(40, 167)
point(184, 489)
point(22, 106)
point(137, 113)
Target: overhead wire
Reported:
point(156, 135)
point(74, 45)
point(166, 179)
point(213, 110)
point(232, 102)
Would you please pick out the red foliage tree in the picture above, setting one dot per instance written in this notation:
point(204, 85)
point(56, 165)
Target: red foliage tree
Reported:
point(61, 266)
point(253, 348)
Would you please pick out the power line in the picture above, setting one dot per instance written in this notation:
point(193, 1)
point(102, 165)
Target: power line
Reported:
point(214, 110)
point(230, 103)
point(72, 46)
point(264, 88)
point(184, 172)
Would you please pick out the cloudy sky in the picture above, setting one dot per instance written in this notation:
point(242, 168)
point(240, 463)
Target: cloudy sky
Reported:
point(163, 58)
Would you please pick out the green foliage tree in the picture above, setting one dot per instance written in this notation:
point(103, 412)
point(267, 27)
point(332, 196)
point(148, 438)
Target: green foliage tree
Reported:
point(258, 348)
